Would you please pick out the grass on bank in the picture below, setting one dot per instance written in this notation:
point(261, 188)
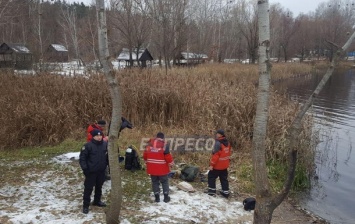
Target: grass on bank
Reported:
point(136, 185)
point(41, 152)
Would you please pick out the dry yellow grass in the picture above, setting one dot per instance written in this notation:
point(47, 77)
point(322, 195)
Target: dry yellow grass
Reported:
point(46, 109)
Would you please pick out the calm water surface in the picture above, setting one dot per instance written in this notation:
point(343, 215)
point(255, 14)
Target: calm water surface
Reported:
point(332, 196)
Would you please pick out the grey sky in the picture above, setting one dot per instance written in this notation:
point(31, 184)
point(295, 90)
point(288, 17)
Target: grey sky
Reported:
point(296, 6)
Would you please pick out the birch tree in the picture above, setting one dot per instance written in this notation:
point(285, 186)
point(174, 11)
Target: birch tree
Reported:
point(69, 17)
point(39, 27)
point(113, 212)
point(262, 214)
point(267, 202)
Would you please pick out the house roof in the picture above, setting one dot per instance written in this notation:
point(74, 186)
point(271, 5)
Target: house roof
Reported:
point(124, 55)
point(18, 48)
point(59, 47)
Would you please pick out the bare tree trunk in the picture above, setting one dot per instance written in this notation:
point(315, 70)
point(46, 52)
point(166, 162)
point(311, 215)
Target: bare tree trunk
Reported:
point(39, 28)
point(262, 214)
point(92, 38)
point(113, 212)
point(266, 202)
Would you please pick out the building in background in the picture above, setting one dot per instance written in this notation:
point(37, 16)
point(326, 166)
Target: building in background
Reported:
point(15, 56)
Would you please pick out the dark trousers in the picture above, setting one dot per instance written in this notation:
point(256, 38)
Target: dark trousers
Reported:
point(92, 180)
point(156, 180)
point(223, 178)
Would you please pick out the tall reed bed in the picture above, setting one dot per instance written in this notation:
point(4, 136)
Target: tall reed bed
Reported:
point(46, 109)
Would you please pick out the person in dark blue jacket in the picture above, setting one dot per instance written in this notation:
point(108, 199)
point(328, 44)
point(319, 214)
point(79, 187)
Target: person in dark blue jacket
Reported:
point(93, 161)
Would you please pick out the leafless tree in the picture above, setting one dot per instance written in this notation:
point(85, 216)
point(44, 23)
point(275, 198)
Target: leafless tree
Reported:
point(113, 213)
point(301, 44)
point(14, 21)
point(169, 21)
point(123, 12)
point(333, 19)
point(130, 18)
point(70, 28)
point(246, 17)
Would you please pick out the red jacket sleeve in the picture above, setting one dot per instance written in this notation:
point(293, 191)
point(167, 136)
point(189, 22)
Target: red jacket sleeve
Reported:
point(145, 155)
point(214, 159)
point(169, 159)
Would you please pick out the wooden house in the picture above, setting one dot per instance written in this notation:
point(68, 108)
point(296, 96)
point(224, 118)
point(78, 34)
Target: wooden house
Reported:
point(16, 56)
point(56, 53)
point(142, 56)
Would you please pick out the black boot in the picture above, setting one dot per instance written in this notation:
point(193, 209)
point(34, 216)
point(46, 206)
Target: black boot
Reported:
point(166, 198)
point(85, 210)
point(99, 204)
point(224, 193)
point(157, 198)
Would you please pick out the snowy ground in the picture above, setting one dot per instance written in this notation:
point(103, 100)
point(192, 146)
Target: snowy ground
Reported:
point(53, 196)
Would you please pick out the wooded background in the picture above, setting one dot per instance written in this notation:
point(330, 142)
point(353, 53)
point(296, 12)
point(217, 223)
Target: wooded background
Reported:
point(222, 29)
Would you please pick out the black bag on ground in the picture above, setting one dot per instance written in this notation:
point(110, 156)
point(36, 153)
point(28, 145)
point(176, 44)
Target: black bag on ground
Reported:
point(249, 204)
point(189, 173)
point(132, 159)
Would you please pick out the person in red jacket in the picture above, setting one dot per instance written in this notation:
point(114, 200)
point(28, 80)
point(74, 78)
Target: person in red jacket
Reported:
point(158, 160)
point(219, 164)
point(100, 125)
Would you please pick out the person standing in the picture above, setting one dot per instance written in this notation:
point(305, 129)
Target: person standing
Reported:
point(93, 161)
point(219, 164)
point(158, 160)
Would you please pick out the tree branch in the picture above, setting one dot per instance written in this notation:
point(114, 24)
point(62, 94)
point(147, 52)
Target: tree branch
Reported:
point(333, 44)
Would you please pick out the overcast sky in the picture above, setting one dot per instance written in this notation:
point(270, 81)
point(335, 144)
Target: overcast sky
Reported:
point(296, 6)
point(299, 6)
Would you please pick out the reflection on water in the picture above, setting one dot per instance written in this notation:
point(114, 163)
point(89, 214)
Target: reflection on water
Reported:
point(331, 196)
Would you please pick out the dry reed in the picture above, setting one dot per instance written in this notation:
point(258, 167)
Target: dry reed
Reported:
point(46, 109)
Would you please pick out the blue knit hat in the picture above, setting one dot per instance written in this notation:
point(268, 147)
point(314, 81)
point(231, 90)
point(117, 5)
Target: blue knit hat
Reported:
point(220, 131)
point(160, 135)
point(96, 132)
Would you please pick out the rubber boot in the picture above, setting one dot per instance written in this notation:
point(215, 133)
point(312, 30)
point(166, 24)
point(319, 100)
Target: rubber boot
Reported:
point(157, 198)
point(166, 198)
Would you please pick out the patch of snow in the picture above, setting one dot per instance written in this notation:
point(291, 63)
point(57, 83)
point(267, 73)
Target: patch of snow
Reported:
point(25, 72)
point(55, 196)
point(47, 198)
point(66, 158)
point(195, 207)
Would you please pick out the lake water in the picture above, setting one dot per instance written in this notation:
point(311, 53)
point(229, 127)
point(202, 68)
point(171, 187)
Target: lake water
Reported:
point(332, 196)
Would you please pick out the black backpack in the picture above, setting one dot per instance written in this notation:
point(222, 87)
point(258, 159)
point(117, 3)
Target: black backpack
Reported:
point(132, 159)
point(189, 173)
point(249, 204)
